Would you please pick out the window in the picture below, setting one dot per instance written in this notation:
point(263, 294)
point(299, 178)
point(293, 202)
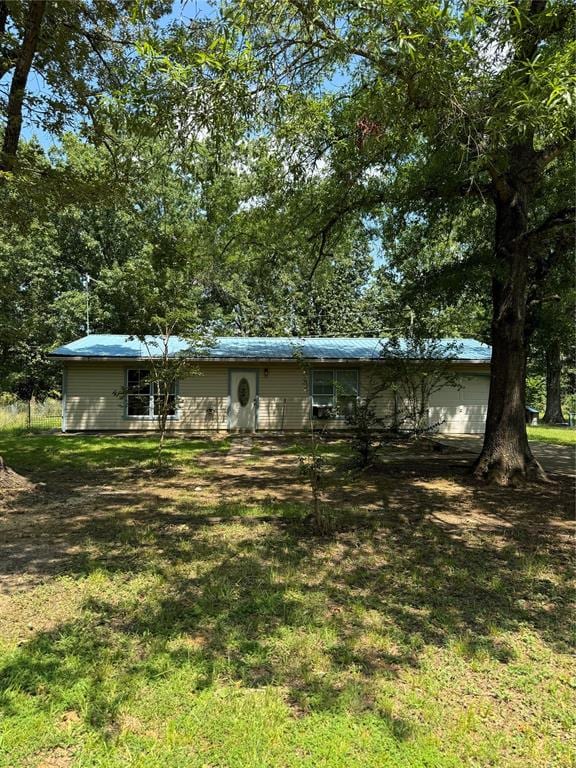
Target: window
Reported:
point(138, 396)
point(334, 392)
point(143, 397)
point(243, 392)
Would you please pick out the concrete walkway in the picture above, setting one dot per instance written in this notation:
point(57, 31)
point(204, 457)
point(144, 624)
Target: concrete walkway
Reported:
point(554, 458)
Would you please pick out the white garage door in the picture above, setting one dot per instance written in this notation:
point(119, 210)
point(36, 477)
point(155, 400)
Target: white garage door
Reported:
point(461, 410)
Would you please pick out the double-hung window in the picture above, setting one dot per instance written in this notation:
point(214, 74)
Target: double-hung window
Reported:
point(334, 392)
point(144, 396)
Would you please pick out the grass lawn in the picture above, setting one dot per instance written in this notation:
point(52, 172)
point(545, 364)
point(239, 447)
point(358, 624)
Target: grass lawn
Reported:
point(192, 620)
point(545, 433)
point(35, 454)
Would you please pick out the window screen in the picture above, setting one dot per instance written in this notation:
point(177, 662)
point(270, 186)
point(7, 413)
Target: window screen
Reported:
point(334, 391)
point(138, 396)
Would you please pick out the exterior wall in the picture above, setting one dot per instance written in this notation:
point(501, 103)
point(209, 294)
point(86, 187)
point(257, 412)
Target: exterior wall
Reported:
point(282, 401)
point(90, 404)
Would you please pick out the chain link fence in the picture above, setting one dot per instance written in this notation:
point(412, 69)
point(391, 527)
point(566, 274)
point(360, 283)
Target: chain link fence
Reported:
point(31, 415)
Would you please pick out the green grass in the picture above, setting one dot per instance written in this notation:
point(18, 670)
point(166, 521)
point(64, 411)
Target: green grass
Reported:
point(549, 434)
point(35, 454)
point(161, 632)
point(327, 447)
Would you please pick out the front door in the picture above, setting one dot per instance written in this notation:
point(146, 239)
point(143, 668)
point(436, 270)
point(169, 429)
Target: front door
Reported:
point(243, 400)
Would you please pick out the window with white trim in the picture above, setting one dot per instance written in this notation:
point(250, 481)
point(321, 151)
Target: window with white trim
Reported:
point(334, 392)
point(143, 396)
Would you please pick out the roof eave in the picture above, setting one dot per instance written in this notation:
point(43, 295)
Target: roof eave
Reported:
point(135, 358)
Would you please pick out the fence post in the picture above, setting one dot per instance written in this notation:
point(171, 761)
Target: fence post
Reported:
point(29, 415)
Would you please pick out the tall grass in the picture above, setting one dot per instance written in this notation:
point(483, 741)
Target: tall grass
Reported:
point(19, 415)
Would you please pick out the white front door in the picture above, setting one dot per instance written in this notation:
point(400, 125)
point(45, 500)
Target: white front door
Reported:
point(243, 400)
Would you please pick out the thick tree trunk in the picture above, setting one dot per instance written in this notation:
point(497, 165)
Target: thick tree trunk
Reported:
point(13, 127)
point(506, 457)
point(553, 413)
point(3, 17)
point(6, 49)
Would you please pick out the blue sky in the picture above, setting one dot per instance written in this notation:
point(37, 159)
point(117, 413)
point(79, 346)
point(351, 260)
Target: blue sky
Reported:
point(186, 9)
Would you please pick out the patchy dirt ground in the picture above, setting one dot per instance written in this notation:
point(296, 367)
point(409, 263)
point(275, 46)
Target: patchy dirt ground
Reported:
point(11, 481)
point(556, 459)
point(44, 527)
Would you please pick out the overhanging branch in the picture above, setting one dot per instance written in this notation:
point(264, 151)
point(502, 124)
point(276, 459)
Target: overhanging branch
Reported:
point(18, 86)
point(546, 155)
point(561, 218)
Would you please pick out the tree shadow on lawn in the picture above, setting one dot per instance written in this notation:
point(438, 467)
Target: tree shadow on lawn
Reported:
point(266, 603)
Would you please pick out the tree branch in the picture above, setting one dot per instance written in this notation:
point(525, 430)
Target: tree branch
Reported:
point(323, 238)
point(3, 17)
point(544, 299)
point(7, 49)
point(562, 218)
point(469, 188)
point(312, 16)
point(90, 38)
point(546, 155)
point(36, 10)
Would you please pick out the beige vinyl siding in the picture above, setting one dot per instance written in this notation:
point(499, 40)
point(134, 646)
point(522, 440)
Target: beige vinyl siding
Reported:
point(461, 410)
point(383, 402)
point(282, 402)
point(89, 399)
point(92, 405)
point(203, 400)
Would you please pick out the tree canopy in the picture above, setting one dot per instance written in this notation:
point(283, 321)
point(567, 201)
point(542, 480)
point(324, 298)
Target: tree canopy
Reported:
point(302, 167)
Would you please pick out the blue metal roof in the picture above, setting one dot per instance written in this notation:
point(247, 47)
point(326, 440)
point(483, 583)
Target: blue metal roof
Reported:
point(109, 345)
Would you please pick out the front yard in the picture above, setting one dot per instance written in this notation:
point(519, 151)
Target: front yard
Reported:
point(192, 619)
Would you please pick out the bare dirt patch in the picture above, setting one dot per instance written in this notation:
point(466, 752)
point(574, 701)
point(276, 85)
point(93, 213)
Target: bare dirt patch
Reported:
point(12, 481)
point(59, 757)
point(50, 531)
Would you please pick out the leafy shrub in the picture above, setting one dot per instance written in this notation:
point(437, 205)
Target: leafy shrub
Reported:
point(365, 428)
